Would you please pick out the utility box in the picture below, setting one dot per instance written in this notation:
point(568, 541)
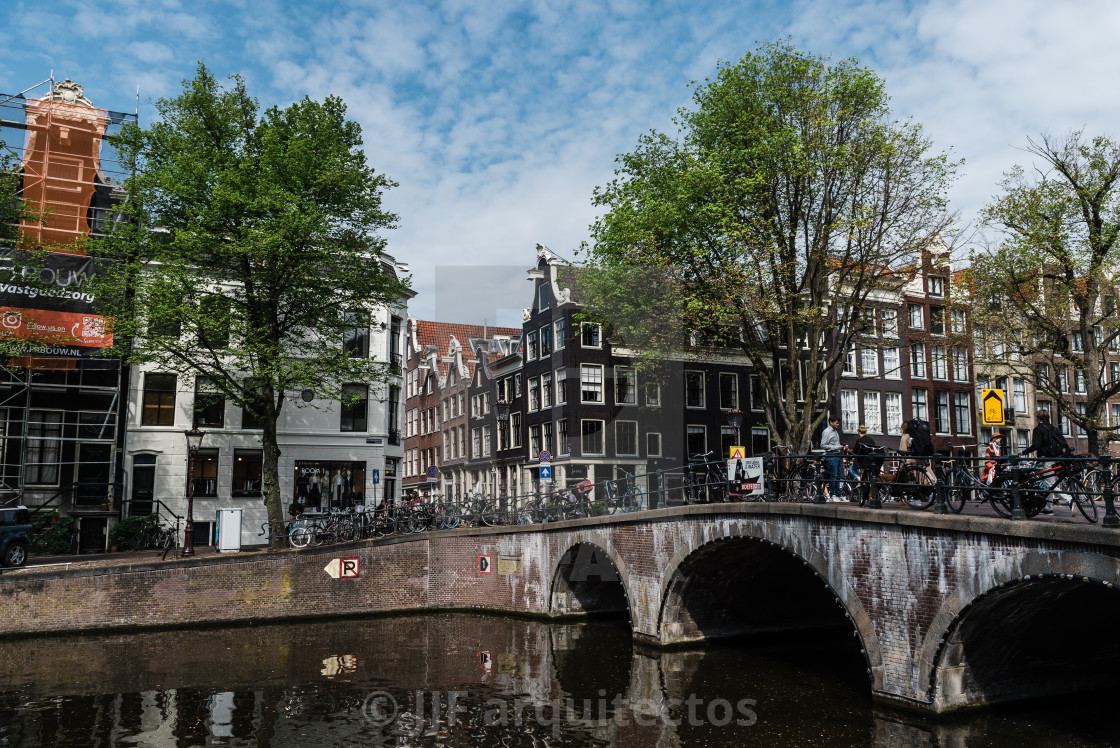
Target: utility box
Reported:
point(229, 530)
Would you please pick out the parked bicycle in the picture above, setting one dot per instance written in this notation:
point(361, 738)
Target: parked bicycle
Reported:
point(622, 495)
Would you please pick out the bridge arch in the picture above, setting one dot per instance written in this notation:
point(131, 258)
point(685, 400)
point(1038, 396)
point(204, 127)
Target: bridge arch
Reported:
point(590, 578)
point(1033, 629)
point(697, 605)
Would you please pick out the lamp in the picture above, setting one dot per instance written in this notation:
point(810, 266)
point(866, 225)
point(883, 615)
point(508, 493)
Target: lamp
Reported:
point(735, 421)
point(194, 443)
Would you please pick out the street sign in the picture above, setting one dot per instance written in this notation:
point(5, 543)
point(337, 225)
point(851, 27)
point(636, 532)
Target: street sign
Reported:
point(738, 453)
point(342, 568)
point(433, 471)
point(484, 564)
point(485, 661)
point(375, 476)
point(991, 407)
point(545, 456)
point(374, 440)
point(546, 472)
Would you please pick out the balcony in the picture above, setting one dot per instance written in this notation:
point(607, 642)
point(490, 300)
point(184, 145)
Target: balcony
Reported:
point(395, 437)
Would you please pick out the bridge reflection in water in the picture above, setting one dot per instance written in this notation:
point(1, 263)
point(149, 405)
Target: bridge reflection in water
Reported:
point(510, 681)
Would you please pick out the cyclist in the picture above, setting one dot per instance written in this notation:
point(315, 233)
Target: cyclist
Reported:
point(991, 458)
point(1049, 443)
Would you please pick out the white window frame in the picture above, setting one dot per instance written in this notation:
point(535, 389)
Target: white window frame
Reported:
point(618, 441)
point(872, 412)
point(584, 381)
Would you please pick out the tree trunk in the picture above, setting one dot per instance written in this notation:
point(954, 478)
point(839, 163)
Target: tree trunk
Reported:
point(271, 483)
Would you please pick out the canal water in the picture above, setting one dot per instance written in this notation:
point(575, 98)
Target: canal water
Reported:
point(473, 680)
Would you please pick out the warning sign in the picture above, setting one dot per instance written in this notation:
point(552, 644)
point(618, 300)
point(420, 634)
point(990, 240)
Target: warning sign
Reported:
point(738, 453)
point(991, 407)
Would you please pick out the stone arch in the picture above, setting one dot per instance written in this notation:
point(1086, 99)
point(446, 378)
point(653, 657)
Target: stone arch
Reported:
point(944, 677)
point(593, 553)
point(784, 540)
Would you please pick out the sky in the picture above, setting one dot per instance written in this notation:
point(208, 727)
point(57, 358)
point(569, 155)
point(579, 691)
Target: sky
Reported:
point(498, 119)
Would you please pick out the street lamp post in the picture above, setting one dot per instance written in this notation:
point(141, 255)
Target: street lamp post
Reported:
point(735, 421)
point(503, 419)
point(194, 443)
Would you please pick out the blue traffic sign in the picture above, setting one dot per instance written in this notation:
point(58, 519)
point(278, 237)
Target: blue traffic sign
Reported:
point(545, 456)
point(546, 472)
point(433, 471)
point(375, 476)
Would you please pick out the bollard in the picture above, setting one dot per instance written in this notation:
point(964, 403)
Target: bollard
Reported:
point(941, 506)
point(1016, 499)
point(1110, 517)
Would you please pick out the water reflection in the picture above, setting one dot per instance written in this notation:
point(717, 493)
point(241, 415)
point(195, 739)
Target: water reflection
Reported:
point(462, 680)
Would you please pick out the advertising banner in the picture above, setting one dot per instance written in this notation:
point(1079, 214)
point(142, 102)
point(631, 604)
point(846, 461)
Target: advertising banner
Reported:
point(47, 305)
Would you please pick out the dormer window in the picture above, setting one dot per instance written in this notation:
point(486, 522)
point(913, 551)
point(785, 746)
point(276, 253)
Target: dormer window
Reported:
point(936, 285)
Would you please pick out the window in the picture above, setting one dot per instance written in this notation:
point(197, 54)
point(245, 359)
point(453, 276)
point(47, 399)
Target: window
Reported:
point(1020, 396)
point(960, 365)
point(1022, 439)
point(959, 322)
point(729, 391)
point(1080, 407)
point(43, 451)
point(1064, 419)
point(850, 363)
point(936, 285)
point(653, 395)
point(546, 390)
point(546, 341)
point(892, 369)
point(941, 410)
point(849, 410)
point(626, 437)
point(937, 320)
point(694, 389)
point(869, 362)
point(1114, 372)
point(592, 437)
point(209, 404)
point(353, 408)
point(590, 335)
point(625, 385)
point(206, 473)
point(395, 359)
point(532, 346)
point(542, 296)
point(485, 441)
point(561, 328)
point(561, 386)
point(918, 404)
point(591, 381)
point(918, 360)
point(476, 442)
point(893, 403)
point(1079, 381)
point(653, 444)
point(1063, 380)
point(758, 393)
point(872, 417)
point(964, 419)
point(696, 440)
point(214, 322)
point(890, 323)
point(1115, 415)
point(355, 338)
point(246, 472)
point(517, 385)
point(563, 442)
point(392, 416)
point(546, 435)
point(1078, 343)
point(515, 430)
point(915, 318)
point(939, 367)
point(534, 440)
point(534, 394)
point(159, 400)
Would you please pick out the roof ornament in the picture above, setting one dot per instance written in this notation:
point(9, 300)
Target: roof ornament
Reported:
point(69, 92)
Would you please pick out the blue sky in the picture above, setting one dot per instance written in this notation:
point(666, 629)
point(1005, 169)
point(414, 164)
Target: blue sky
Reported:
point(498, 119)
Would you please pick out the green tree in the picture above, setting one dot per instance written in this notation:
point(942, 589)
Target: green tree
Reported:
point(252, 247)
point(1045, 292)
point(785, 206)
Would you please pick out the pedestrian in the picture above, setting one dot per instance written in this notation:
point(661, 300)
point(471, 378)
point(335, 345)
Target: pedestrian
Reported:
point(830, 443)
point(1048, 442)
point(991, 458)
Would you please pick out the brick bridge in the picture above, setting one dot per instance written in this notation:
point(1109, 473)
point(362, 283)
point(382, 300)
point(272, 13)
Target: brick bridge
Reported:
point(948, 611)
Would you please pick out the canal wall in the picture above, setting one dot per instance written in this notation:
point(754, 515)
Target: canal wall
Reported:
point(933, 601)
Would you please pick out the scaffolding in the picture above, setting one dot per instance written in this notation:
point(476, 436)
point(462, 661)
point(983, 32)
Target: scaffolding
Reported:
point(61, 424)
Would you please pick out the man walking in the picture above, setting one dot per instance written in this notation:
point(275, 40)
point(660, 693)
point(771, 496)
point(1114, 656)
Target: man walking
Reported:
point(830, 443)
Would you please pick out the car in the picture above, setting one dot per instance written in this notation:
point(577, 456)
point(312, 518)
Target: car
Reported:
point(15, 535)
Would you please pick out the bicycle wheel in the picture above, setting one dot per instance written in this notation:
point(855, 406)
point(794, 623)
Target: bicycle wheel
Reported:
point(957, 492)
point(1080, 497)
point(632, 499)
point(717, 485)
point(488, 514)
point(417, 522)
point(452, 516)
point(917, 488)
point(299, 536)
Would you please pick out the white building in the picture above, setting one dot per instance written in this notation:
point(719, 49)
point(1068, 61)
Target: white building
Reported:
point(330, 455)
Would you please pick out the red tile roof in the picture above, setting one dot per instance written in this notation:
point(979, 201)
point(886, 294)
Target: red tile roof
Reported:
point(439, 334)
